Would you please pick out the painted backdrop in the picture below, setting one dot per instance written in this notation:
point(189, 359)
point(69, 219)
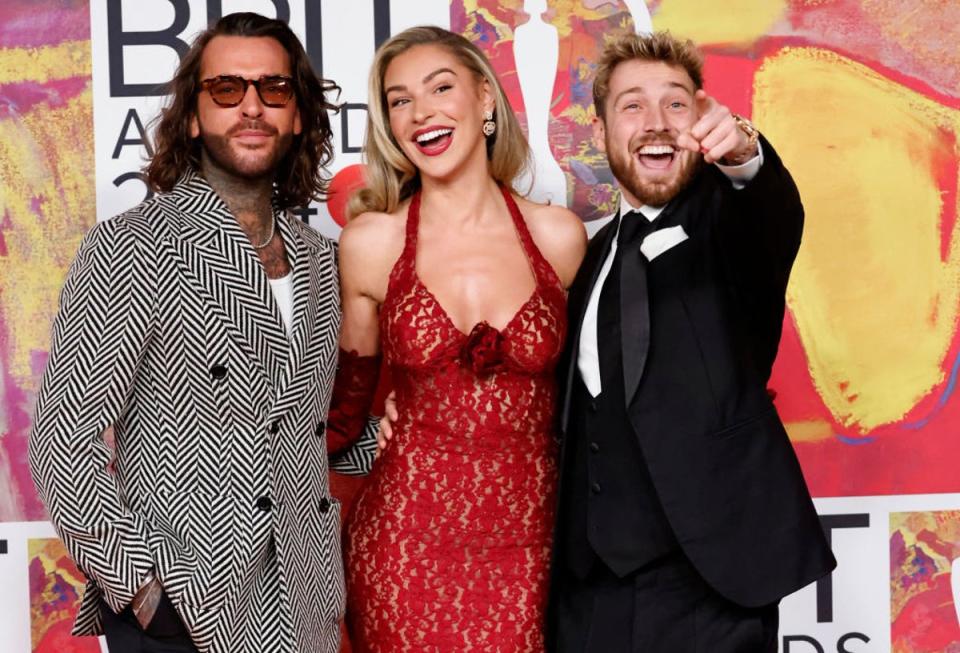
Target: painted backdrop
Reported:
point(861, 99)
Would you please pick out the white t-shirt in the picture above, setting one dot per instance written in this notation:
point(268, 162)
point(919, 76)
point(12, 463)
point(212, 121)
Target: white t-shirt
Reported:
point(283, 294)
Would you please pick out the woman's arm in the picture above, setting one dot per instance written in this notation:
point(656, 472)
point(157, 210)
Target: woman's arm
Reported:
point(369, 247)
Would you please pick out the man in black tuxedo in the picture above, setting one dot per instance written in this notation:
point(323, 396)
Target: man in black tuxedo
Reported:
point(684, 517)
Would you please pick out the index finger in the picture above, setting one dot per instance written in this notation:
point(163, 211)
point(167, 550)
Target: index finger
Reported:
point(706, 107)
point(704, 102)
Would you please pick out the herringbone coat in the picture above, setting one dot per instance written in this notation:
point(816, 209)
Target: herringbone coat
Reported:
point(168, 332)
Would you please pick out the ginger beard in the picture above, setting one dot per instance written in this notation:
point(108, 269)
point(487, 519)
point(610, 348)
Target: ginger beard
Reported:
point(244, 160)
point(638, 173)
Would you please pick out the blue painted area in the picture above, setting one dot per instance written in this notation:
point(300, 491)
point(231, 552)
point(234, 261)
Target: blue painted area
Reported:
point(922, 422)
point(583, 172)
point(854, 441)
point(941, 402)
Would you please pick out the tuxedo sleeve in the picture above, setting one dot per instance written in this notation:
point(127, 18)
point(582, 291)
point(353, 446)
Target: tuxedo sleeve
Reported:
point(100, 334)
point(759, 230)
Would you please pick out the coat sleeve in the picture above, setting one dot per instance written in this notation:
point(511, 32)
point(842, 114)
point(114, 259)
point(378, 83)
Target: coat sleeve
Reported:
point(759, 231)
point(357, 459)
point(100, 335)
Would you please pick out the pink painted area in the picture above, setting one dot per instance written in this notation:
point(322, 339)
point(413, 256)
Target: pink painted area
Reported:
point(32, 23)
point(21, 97)
point(914, 38)
point(26, 24)
point(17, 406)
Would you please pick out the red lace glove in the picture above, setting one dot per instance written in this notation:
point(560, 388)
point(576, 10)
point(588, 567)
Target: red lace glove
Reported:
point(354, 388)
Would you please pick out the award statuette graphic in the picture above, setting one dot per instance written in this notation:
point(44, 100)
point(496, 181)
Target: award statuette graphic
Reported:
point(535, 49)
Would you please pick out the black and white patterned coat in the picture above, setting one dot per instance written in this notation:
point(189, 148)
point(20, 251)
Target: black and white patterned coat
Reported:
point(168, 332)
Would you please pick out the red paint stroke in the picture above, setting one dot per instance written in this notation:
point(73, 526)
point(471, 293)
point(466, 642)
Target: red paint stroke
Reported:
point(928, 621)
point(945, 170)
point(347, 181)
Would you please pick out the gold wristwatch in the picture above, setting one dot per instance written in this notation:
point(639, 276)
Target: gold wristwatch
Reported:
point(747, 128)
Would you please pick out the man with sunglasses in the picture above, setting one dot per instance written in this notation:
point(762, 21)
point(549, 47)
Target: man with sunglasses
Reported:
point(201, 326)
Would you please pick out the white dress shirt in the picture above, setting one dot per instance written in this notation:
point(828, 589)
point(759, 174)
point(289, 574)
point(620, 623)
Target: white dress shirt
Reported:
point(588, 358)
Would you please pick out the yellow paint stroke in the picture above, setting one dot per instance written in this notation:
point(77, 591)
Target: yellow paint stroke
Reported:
point(809, 431)
point(739, 21)
point(61, 61)
point(568, 15)
point(47, 200)
point(875, 306)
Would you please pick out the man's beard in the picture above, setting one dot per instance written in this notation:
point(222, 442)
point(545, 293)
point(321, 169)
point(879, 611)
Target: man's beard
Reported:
point(653, 193)
point(250, 164)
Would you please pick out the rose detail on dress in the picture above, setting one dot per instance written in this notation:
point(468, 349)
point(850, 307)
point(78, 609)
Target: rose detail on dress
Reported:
point(482, 351)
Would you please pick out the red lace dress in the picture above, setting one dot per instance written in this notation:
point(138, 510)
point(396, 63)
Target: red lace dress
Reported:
point(447, 546)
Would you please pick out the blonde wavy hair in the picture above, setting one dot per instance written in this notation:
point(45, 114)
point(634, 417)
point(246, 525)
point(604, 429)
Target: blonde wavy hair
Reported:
point(390, 176)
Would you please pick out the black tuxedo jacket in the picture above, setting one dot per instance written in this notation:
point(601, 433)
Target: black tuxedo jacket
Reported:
point(696, 381)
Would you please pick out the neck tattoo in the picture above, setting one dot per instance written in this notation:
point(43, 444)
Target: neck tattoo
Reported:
point(249, 200)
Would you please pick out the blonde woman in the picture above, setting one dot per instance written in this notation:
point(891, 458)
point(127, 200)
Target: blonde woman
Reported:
point(461, 283)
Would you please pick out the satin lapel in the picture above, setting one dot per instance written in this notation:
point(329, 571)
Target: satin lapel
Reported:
point(222, 263)
point(579, 296)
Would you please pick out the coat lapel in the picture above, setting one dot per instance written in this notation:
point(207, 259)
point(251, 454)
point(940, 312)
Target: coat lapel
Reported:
point(221, 261)
point(577, 301)
point(312, 284)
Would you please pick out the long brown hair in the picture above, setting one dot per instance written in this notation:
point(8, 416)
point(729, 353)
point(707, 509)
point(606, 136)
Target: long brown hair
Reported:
point(390, 176)
point(300, 177)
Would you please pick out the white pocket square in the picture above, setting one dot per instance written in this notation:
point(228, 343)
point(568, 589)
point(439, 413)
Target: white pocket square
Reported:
point(661, 240)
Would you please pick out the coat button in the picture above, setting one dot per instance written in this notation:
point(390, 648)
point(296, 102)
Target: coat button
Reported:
point(595, 488)
point(264, 504)
point(321, 428)
point(274, 428)
point(324, 505)
point(218, 372)
point(593, 405)
point(594, 447)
